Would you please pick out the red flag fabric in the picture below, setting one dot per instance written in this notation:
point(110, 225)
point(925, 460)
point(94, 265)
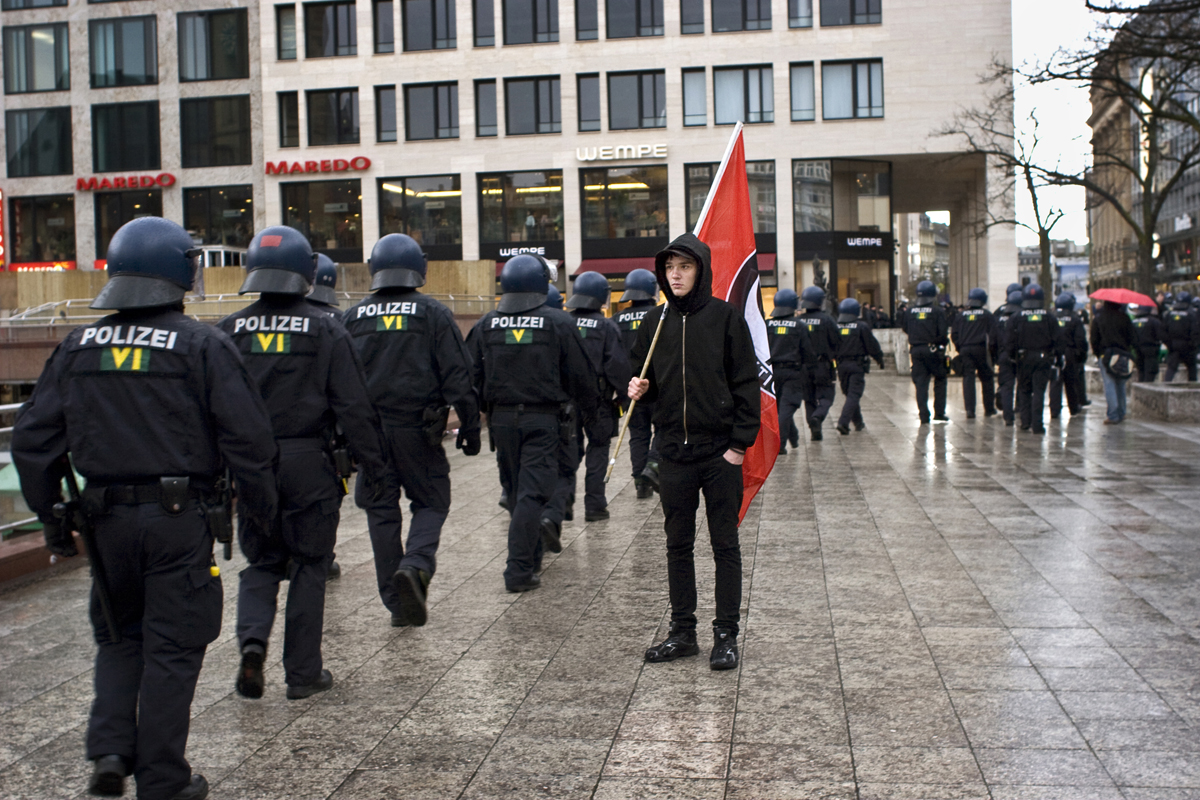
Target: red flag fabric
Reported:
point(726, 225)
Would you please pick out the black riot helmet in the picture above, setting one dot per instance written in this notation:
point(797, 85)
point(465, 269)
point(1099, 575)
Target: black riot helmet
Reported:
point(786, 301)
point(397, 261)
point(640, 285)
point(926, 291)
point(524, 284)
point(1065, 302)
point(325, 282)
point(554, 297)
point(591, 292)
point(1012, 287)
point(1143, 311)
point(977, 298)
point(1014, 298)
point(812, 298)
point(1033, 297)
point(279, 261)
point(849, 310)
point(151, 262)
point(1183, 300)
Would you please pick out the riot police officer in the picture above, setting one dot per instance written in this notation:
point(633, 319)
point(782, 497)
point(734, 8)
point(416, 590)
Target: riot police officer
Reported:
point(857, 345)
point(1068, 375)
point(417, 367)
point(1182, 326)
point(1033, 343)
point(790, 353)
point(528, 363)
point(324, 297)
point(1006, 379)
point(972, 333)
point(641, 292)
point(928, 333)
point(151, 406)
point(1148, 329)
point(305, 367)
point(817, 377)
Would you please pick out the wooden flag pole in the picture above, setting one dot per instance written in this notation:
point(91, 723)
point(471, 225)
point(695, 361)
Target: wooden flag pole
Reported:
point(612, 462)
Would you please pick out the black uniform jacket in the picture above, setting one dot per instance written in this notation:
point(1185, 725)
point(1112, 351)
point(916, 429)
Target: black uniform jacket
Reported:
point(1074, 339)
point(602, 343)
point(630, 320)
point(822, 333)
point(1000, 336)
point(1149, 331)
point(1033, 329)
point(790, 347)
point(414, 357)
point(704, 372)
point(141, 395)
point(926, 325)
point(856, 340)
point(1182, 329)
point(972, 327)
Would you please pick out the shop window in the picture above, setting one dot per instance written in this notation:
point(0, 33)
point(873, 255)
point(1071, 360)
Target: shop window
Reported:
point(532, 105)
point(429, 25)
point(812, 196)
point(587, 20)
point(860, 191)
point(330, 29)
point(220, 215)
point(520, 207)
point(695, 98)
point(42, 229)
point(427, 208)
point(485, 22)
point(215, 131)
point(760, 175)
point(124, 52)
point(744, 94)
point(431, 111)
point(39, 142)
point(804, 104)
point(125, 137)
point(289, 119)
point(741, 15)
point(285, 32)
point(589, 102)
point(114, 209)
point(385, 26)
point(385, 113)
point(800, 14)
point(851, 89)
point(485, 108)
point(36, 59)
point(214, 45)
point(630, 18)
point(527, 21)
point(637, 100)
point(691, 16)
point(333, 117)
point(850, 12)
point(329, 214)
point(627, 204)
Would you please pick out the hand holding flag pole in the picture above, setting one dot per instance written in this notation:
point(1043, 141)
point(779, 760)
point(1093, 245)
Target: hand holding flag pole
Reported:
point(612, 462)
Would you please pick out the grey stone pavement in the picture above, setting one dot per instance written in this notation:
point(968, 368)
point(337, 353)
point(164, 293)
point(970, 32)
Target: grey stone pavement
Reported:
point(954, 611)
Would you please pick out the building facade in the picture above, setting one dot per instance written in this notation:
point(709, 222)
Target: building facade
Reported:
point(587, 131)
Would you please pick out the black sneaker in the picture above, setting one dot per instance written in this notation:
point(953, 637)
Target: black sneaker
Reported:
point(678, 644)
point(412, 585)
point(724, 652)
point(398, 621)
point(970, 415)
point(551, 535)
point(321, 684)
point(940, 418)
point(783, 450)
point(108, 777)
point(860, 426)
point(599, 515)
point(335, 571)
point(250, 676)
point(504, 503)
point(531, 583)
point(815, 430)
point(197, 789)
point(844, 430)
point(650, 473)
point(794, 438)
point(644, 490)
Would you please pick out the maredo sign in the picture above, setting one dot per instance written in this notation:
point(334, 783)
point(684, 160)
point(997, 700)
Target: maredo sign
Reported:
point(327, 165)
point(93, 183)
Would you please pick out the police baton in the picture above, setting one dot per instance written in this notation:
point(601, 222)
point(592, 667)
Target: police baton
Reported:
point(612, 462)
point(73, 517)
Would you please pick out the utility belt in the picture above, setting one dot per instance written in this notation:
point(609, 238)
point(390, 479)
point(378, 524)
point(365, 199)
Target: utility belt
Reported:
point(1031, 354)
point(171, 492)
point(932, 348)
point(528, 408)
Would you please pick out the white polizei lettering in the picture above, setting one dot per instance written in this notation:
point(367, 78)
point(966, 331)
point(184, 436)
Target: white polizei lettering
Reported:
point(251, 323)
point(305, 327)
point(238, 324)
point(584, 322)
point(88, 335)
point(104, 335)
point(159, 339)
point(116, 338)
point(171, 340)
point(518, 322)
point(297, 324)
point(143, 336)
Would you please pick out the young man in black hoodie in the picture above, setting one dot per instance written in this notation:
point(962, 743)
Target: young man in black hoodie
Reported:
point(703, 378)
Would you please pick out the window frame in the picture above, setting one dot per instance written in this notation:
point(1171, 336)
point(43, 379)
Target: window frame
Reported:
point(703, 73)
point(243, 58)
point(12, 5)
point(594, 10)
point(66, 142)
point(436, 252)
point(302, 221)
point(745, 70)
point(745, 4)
point(380, 47)
point(554, 247)
point(380, 104)
point(812, 80)
point(154, 164)
point(796, 19)
point(638, 13)
point(555, 104)
point(615, 209)
point(99, 201)
point(438, 100)
point(33, 216)
point(247, 151)
point(279, 26)
point(191, 190)
point(281, 99)
point(641, 75)
point(150, 35)
point(854, 65)
point(350, 90)
point(62, 56)
point(449, 39)
point(579, 79)
point(485, 40)
point(479, 134)
point(352, 29)
point(691, 8)
point(854, 17)
point(552, 31)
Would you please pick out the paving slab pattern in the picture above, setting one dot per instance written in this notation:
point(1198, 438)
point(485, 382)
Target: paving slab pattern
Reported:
point(957, 611)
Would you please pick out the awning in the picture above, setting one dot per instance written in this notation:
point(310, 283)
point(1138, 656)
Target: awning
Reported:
point(614, 266)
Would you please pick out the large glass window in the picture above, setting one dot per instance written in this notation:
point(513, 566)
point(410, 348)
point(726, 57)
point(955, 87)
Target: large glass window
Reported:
point(428, 208)
point(333, 117)
point(220, 215)
point(741, 15)
point(125, 137)
point(851, 89)
point(485, 108)
point(431, 111)
point(800, 14)
point(114, 209)
point(329, 213)
point(485, 22)
point(36, 59)
point(532, 105)
point(527, 21)
point(850, 12)
point(637, 100)
point(385, 113)
point(385, 26)
point(429, 25)
point(743, 94)
point(842, 195)
point(214, 45)
point(589, 102)
point(14, 5)
point(285, 32)
point(812, 196)
point(628, 18)
point(804, 104)
point(215, 131)
point(41, 229)
point(289, 119)
point(695, 97)
point(587, 20)
point(39, 142)
point(123, 51)
point(330, 29)
point(520, 207)
point(624, 203)
point(691, 16)
point(759, 174)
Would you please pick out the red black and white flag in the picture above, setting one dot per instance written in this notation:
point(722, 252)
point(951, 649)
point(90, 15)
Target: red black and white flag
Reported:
point(726, 225)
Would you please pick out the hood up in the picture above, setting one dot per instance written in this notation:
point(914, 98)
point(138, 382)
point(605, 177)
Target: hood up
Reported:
point(701, 293)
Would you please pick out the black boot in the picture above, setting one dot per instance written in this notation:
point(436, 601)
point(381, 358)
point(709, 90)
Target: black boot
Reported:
point(794, 437)
point(569, 513)
point(551, 535)
point(322, 684)
point(335, 571)
point(650, 473)
point(412, 585)
point(197, 789)
point(108, 777)
point(815, 429)
point(250, 676)
point(724, 652)
point(678, 644)
point(644, 489)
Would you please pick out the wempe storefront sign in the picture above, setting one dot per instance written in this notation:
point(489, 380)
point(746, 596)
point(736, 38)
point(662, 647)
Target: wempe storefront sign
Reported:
point(93, 183)
point(325, 165)
point(621, 152)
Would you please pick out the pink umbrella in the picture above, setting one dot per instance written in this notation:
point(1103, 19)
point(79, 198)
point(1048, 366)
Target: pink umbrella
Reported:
point(1123, 296)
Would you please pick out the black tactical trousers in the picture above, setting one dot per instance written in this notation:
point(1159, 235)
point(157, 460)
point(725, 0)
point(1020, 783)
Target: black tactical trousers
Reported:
point(1180, 358)
point(680, 487)
point(527, 453)
point(167, 605)
point(298, 548)
point(1070, 382)
point(1006, 387)
point(1033, 374)
point(564, 485)
point(854, 382)
point(594, 457)
point(1147, 363)
point(816, 383)
point(424, 474)
point(928, 364)
point(789, 393)
point(975, 361)
point(640, 437)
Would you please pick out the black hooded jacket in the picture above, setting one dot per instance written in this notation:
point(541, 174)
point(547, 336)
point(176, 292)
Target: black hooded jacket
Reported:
point(704, 372)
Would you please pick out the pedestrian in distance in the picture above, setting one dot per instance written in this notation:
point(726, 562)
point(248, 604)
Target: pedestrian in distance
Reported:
point(791, 353)
point(1034, 344)
point(1006, 371)
point(417, 369)
point(641, 292)
point(1067, 374)
point(817, 377)
point(857, 345)
point(1149, 339)
point(973, 334)
point(304, 366)
point(928, 334)
point(703, 377)
point(1182, 329)
point(528, 365)
point(1112, 336)
point(151, 407)
point(324, 297)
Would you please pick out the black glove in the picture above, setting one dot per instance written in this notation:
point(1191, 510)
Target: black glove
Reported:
point(879, 361)
point(59, 540)
point(468, 441)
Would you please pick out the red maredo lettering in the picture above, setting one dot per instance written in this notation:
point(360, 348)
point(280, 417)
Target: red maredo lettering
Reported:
point(94, 184)
point(358, 163)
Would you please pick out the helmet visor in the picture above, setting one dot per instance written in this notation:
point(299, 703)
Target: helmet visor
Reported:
point(276, 281)
point(137, 291)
